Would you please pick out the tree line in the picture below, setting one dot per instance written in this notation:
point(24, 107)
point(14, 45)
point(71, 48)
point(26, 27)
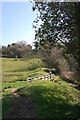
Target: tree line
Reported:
point(19, 49)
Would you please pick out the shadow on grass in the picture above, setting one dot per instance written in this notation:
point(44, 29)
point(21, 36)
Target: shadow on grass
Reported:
point(77, 87)
point(48, 105)
point(6, 104)
point(18, 106)
point(53, 106)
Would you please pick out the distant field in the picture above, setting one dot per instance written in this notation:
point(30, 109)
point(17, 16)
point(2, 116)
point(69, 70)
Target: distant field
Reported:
point(21, 69)
point(52, 99)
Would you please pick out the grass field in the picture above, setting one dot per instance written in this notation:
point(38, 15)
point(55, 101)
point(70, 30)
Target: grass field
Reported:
point(52, 99)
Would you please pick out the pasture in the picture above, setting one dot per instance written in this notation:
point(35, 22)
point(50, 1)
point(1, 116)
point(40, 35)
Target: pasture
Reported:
point(39, 98)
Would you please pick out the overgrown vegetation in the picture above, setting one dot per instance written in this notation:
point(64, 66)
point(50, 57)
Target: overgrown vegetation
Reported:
point(59, 26)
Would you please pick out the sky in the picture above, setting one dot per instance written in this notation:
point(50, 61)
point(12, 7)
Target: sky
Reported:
point(17, 19)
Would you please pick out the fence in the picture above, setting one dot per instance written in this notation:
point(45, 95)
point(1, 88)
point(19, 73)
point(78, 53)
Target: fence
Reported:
point(42, 77)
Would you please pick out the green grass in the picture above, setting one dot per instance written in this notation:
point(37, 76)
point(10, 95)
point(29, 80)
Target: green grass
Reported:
point(51, 99)
point(15, 74)
point(20, 70)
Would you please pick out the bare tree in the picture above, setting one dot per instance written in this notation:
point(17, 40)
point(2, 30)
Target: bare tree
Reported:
point(51, 58)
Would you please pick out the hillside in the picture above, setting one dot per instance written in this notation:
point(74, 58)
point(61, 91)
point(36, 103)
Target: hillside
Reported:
point(40, 98)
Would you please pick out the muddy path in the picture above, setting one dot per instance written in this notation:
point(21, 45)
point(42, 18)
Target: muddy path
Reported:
point(22, 106)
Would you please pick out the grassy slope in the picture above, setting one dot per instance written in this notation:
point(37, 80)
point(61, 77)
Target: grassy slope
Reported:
point(54, 99)
point(15, 74)
point(51, 99)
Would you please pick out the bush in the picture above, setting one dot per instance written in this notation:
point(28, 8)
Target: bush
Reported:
point(34, 67)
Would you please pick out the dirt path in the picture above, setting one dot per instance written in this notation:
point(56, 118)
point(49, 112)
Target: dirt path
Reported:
point(22, 106)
